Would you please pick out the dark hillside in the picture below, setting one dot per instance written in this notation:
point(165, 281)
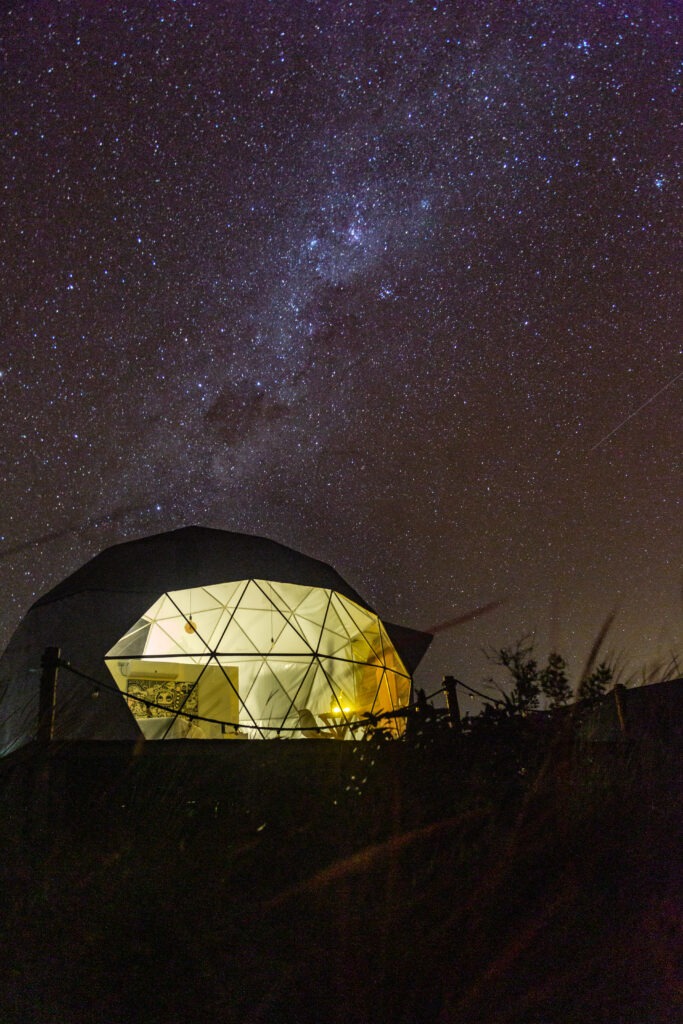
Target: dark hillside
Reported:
point(516, 878)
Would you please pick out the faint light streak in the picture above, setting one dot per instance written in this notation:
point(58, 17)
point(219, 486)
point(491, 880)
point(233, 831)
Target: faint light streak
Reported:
point(94, 523)
point(636, 411)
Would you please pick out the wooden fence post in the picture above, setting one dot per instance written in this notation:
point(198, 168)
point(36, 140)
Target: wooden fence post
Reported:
point(450, 686)
point(619, 692)
point(47, 702)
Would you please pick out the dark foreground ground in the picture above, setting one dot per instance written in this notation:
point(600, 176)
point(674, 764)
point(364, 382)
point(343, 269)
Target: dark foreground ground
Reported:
point(504, 878)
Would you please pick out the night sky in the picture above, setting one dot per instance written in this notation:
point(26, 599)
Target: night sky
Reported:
point(393, 283)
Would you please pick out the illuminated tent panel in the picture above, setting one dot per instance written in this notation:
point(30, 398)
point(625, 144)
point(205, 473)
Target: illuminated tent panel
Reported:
point(254, 658)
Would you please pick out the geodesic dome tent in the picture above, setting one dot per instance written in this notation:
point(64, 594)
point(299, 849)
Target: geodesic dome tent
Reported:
point(206, 634)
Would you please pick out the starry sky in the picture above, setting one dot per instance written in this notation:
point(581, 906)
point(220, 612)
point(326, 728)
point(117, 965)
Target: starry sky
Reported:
point(395, 283)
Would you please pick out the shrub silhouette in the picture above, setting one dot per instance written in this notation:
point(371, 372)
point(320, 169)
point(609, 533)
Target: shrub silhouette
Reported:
point(533, 684)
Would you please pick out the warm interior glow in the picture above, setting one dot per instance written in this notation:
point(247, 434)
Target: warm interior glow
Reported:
point(258, 656)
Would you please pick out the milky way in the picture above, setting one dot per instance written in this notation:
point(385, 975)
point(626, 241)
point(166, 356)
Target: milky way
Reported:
point(378, 280)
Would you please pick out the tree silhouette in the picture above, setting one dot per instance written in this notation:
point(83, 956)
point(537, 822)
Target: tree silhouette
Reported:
point(596, 684)
point(531, 683)
point(554, 683)
point(523, 668)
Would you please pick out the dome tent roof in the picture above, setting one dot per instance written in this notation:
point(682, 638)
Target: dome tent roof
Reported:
point(195, 556)
point(88, 612)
